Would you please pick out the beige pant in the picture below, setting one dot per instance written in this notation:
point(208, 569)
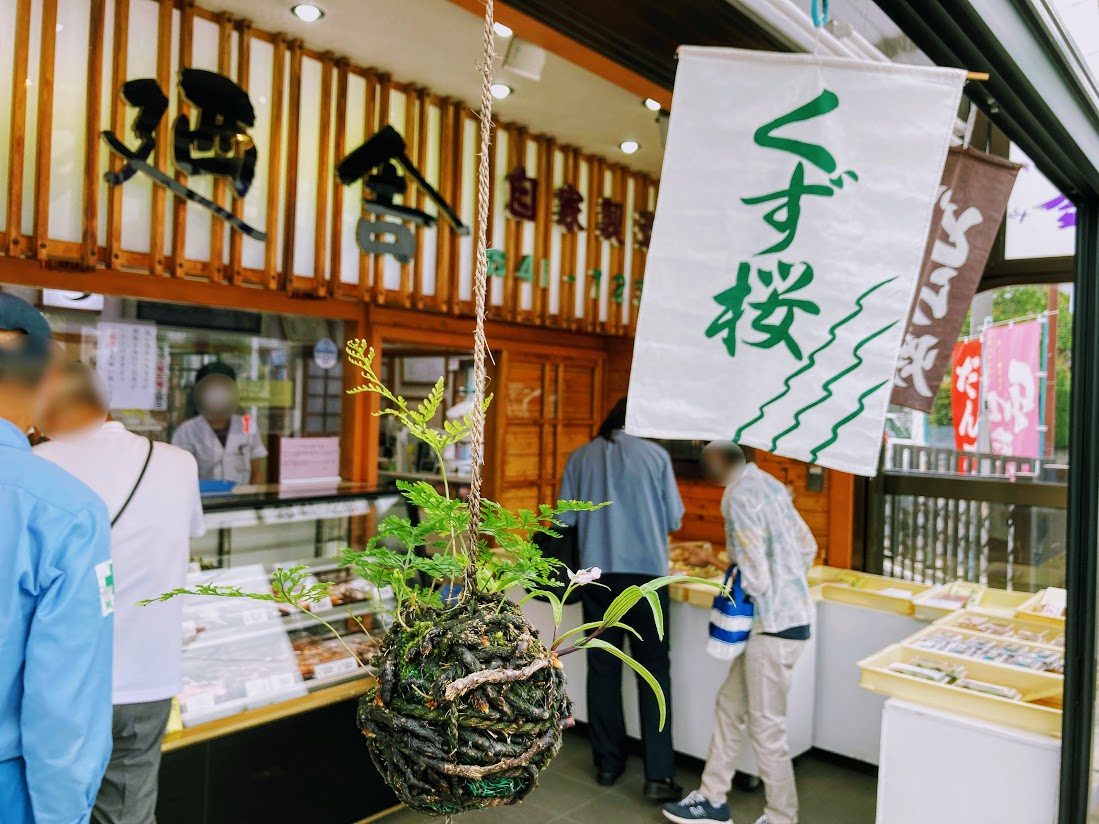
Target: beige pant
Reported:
point(751, 705)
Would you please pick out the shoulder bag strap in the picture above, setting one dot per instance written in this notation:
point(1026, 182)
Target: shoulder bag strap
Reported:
point(130, 497)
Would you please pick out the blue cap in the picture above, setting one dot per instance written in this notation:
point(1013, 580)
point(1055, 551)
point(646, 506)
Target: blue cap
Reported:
point(16, 315)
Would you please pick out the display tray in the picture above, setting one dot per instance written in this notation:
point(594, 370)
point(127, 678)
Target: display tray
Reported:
point(933, 604)
point(1032, 609)
point(872, 591)
point(969, 645)
point(1038, 709)
point(1016, 629)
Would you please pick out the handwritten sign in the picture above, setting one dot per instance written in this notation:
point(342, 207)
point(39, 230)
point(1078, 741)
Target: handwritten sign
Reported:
point(126, 360)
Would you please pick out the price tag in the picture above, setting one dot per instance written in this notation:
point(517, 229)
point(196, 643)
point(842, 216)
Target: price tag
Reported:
point(257, 687)
point(254, 616)
point(283, 681)
point(198, 703)
point(330, 669)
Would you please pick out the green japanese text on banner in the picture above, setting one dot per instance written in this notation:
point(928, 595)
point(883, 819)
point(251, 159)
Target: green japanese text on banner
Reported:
point(794, 209)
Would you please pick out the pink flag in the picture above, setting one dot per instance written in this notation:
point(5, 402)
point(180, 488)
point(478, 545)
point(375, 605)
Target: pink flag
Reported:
point(1010, 374)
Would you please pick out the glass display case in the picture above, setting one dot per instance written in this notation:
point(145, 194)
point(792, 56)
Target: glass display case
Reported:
point(239, 653)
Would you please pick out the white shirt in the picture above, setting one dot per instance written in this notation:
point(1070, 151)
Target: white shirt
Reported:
point(232, 462)
point(150, 548)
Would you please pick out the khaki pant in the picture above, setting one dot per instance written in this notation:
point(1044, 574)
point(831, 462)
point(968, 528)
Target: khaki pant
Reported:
point(751, 706)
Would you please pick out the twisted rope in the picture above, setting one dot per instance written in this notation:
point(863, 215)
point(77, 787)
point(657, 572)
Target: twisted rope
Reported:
point(480, 287)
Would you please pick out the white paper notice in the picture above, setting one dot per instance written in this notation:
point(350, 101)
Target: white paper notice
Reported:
point(126, 360)
point(309, 459)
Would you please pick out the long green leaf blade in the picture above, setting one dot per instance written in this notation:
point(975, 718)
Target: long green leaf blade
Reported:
point(598, 643)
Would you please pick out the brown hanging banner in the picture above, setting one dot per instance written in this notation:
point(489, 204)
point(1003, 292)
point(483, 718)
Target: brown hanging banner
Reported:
point(968, 213)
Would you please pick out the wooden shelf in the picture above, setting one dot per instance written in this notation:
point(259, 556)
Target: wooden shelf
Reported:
point(265, 715)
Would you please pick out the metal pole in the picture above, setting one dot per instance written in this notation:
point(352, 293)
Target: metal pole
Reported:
point(1051, 370)
point(1083, 527)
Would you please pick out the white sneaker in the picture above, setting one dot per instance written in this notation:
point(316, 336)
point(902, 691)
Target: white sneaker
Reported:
point(763, 820)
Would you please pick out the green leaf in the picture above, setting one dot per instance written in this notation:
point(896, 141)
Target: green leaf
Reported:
point(657, 583)
point(622, 604)
point(598, 643)
point(592, 625)
point(658, 612)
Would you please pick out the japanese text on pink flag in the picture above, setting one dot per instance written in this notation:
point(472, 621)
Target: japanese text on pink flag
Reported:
point(1012, 387)
point(794, 210)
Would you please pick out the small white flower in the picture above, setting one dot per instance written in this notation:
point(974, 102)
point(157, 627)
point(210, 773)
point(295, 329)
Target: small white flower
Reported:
point(586, 576)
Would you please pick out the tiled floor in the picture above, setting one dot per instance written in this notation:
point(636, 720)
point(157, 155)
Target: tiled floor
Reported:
point(568, 794)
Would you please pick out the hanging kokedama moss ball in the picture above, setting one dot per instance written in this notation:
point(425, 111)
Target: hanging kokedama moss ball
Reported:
point(468, 709)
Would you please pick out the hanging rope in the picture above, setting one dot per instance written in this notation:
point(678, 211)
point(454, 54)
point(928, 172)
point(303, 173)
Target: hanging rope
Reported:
point(480, 287)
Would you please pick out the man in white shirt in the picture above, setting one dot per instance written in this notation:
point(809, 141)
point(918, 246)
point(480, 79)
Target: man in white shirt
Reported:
point(152, 521)
point(227, 446)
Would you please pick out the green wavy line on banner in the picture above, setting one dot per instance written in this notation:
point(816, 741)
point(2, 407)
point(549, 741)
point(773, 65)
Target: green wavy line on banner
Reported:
point(828, 384)
point(843, 422)
point(812, 361)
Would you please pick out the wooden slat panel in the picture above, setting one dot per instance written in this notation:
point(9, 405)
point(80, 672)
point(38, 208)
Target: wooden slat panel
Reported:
point(594, 260)
point(339, 149)
point(444, 263)
point(543, 231)
point(320, 285)
point(618, 255)
point(20, 69)
point(293, 113)
point(160, 155)
point(456, 151)
point(569, 247)
point(120, 46)
point(244, 68)
point(89, 255)
point(417, 293)
point(217, 225)
point(366, 265)
point(179, 204)
point(383, 87)
point(46, 70)
point(637, 262)
point(274, 164)
point(513, 238)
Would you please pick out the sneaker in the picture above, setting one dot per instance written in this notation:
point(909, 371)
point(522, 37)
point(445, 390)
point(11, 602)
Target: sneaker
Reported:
point(763, 819)
point(696, 808)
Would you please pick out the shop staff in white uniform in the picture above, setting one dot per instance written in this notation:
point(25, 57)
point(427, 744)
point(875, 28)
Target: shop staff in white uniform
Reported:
point(227, 446)
point(151, 492)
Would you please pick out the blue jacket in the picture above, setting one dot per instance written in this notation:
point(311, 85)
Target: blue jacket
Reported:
point(56, 600)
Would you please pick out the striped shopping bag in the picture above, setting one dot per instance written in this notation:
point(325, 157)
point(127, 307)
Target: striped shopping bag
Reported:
point(730, 620)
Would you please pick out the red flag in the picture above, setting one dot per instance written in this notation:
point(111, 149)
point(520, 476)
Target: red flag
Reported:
point(965, 393)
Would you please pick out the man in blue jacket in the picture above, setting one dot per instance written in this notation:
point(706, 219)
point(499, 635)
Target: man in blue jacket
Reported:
point(56, 601)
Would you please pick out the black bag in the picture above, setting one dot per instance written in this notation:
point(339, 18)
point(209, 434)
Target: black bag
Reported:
point(565, 549)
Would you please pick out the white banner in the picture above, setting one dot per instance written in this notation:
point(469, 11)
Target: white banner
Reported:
point(794, 208)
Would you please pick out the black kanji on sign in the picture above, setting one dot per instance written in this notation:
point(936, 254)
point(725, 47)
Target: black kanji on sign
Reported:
point(375, 160)
point(219, 145)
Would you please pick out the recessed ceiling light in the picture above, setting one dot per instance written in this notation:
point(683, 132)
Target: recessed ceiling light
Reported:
point(652, 105)
point(500, 91)
point(629, 146)
point(502, 30)
point(307, 12)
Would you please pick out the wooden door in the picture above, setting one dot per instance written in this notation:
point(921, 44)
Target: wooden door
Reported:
point(545, 407)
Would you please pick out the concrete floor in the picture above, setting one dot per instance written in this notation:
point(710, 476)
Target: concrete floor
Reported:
point(831, 793)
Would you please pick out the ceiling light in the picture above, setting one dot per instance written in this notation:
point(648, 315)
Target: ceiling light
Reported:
point(629, 146)
point(500, 91)
point(502, 30)
point(307, 12)
point(652, 105)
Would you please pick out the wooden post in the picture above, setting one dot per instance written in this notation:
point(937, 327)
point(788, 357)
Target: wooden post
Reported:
point(119, 44)
point(89, 253)
point(217, 225)
point(383, 90)
point(324, 163)
point(339, 149)
point(274, 164)
point(370, 125)
point(47, 50)
point(293, 114)
point(160, 154)
point(244, 76)
point(179, 204)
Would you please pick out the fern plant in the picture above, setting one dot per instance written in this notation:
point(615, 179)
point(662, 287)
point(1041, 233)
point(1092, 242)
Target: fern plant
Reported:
point(435, 552)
